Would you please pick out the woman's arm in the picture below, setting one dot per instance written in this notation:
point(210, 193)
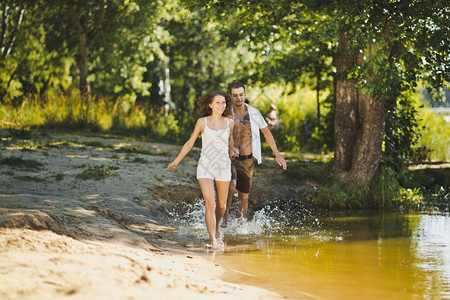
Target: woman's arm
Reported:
point(199, 127)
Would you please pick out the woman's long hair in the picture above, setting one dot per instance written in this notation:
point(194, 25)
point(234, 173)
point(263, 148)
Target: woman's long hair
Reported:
point(205, 101)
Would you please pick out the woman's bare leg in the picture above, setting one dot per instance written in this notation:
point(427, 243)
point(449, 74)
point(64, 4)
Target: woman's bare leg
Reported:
point(231, 190)
point(222, 195)
point(209, 193)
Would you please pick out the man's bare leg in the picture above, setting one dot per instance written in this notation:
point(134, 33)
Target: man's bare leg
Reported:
point(243, 205)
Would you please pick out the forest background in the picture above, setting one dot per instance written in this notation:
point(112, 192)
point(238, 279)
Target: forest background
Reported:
point(348, 79)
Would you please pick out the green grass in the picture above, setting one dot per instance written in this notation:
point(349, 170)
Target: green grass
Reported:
point(97, 172)
point(139, 160)
point(69, 113)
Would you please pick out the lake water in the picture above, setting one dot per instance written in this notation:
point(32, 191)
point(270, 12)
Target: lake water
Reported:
point(305, 255)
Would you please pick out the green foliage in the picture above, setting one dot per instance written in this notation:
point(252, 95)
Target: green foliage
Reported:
point(434, 138)
point(46, 44)
point(24, 61)
point(385, 187)
point(409, 199)
point(439, 199)
point(201, 56)
point(427, 177)
point(401, 133)
point(423, 189)
point(337, 197)
point(97, 172)
point(414, 133)
point(332, 197)
point(294, 107)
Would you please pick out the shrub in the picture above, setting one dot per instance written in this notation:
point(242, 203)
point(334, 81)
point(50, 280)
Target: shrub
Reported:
point(385, 187)
point(410, 199)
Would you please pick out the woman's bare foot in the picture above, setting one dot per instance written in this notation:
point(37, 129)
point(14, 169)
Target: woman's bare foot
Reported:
point(211, 244)
point(216, 245)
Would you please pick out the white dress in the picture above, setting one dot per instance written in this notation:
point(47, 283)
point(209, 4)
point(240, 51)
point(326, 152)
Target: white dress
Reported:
point(214, 162)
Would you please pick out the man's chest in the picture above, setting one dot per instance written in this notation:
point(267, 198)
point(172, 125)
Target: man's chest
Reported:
point(242, 123)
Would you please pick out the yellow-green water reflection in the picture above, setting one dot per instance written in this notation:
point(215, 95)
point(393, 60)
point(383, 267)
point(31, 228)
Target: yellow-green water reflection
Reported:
point(387, 256)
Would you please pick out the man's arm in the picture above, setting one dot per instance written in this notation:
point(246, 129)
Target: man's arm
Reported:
point(271, 141)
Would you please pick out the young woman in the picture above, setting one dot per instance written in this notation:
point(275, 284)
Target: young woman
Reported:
point(214, 165)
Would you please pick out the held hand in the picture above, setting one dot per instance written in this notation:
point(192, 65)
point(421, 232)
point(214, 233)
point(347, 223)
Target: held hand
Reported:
point(235, 152)
point(281, 161)
point(172, 165)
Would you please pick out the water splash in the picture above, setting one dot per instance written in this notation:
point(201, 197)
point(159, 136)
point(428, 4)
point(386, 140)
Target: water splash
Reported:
point(283, 218)
point(189, 219)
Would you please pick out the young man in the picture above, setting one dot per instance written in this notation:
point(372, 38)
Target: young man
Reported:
point(247, 144)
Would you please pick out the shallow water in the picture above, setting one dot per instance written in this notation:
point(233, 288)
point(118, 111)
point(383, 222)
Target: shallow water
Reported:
point(338, 256)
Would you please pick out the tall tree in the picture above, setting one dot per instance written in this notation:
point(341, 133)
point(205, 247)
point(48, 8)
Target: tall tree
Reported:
point(25, 63)
point(87, 19)
point(380, 47)
point(110, 39)
point(384, 49)
point(200, 57)
point(11, 21)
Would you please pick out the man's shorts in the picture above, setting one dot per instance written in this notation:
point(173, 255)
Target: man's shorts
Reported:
point(242, 171)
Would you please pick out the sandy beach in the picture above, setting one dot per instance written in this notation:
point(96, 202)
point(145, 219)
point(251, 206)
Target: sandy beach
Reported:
point(62, 235)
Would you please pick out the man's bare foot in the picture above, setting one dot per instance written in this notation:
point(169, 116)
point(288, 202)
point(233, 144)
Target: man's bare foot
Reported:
point(224, 223)
point(242, 221)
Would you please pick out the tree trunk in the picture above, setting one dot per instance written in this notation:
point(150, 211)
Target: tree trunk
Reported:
point(345, 121)
point(368, 144)
point(83, 59)
point(359, 125)
point(318, 98)
point(83, 52)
